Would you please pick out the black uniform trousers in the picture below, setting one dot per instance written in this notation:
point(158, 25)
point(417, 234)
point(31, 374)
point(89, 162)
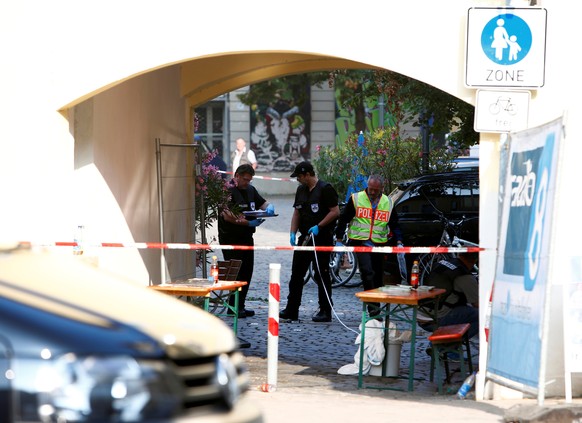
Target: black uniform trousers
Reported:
point(300, 265)
point(371, 267)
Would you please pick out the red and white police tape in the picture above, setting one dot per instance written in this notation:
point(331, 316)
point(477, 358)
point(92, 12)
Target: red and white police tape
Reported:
point(186, 246)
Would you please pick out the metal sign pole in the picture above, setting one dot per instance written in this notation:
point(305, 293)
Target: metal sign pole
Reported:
point(161, 210)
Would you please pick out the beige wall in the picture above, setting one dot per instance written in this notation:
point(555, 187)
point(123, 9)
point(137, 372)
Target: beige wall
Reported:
point(116, 196)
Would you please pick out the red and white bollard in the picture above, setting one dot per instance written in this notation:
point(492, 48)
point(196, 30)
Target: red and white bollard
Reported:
point(273, 335)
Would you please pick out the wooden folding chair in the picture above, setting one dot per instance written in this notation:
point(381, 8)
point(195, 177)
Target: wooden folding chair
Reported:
point(228, 269)
point(449, 339)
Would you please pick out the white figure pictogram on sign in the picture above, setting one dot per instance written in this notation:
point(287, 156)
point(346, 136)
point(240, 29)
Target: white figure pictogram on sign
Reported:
point(506, 39)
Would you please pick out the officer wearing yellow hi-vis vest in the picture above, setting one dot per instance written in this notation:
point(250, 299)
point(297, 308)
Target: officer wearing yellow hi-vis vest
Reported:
point(371, 219)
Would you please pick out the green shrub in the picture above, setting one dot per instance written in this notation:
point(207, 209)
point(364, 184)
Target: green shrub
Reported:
point(383, 152)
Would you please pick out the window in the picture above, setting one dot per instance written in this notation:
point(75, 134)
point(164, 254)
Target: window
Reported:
point(211, 126)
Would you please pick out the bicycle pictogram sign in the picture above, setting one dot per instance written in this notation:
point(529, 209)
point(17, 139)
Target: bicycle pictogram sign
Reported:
point(503, 104)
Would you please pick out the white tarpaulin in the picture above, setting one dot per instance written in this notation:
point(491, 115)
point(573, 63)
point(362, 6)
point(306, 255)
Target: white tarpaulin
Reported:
point(374, 348)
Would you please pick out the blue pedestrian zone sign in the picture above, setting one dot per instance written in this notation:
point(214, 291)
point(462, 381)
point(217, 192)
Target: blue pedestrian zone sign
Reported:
point(505, 47)
point(506, 39)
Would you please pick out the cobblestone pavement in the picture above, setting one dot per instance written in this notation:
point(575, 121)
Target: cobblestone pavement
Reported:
point(310, 354)
point(315, 349)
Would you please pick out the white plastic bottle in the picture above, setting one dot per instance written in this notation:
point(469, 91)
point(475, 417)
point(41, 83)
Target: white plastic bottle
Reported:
point(214, 269)
point(466, 386)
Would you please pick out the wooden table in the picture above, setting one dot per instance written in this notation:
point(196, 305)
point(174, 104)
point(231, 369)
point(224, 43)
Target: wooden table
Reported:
point(398, 306)
point(197, 290)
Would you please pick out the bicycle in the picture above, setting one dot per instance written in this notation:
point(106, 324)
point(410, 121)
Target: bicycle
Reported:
point(505, 104)
point(342, 268)
point(427, 261)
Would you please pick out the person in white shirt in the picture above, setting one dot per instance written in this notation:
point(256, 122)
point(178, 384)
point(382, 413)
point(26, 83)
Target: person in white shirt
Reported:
point(242, 155)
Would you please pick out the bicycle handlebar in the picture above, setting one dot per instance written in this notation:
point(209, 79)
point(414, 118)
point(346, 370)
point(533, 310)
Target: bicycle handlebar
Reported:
point(454, 224)
point(455, 227)
point(462, 242)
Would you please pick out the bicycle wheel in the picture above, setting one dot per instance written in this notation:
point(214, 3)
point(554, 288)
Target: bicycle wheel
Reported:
point(342, 268)
point(426, 262)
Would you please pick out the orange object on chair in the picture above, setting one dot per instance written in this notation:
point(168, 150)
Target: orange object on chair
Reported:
point(449, 333)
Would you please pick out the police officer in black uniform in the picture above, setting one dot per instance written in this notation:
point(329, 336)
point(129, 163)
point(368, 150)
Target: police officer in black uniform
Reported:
point(315, 215)
point(460, 304)
point(236, 229)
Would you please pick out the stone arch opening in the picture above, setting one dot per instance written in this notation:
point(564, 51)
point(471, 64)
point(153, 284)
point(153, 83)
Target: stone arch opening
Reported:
point(114, 129)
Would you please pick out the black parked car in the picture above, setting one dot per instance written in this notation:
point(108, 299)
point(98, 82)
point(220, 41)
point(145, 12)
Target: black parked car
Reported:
point(80, 345)
point(420, 202)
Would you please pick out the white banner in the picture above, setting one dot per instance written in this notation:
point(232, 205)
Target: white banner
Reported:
point(520, 290)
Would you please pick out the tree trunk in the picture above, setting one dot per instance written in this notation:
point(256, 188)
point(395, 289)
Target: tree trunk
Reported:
point(360, 114)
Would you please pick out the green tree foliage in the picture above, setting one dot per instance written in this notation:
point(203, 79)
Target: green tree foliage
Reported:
point(410, 100)
point(406, 99)
point(294, 89)
point(384, 153)
point(211, 189)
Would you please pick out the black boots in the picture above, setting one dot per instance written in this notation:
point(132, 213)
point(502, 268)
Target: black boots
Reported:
point(322, 316)
point(288, 315)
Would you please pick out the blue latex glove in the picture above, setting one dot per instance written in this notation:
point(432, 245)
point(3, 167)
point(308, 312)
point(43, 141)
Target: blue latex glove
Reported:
point(292, 239)
point(255, 223)
point(270, 210)
point(313, 230)
point(339, 244)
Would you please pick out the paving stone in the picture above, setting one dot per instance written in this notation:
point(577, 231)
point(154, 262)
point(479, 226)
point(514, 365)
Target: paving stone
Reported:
point(309, 354)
